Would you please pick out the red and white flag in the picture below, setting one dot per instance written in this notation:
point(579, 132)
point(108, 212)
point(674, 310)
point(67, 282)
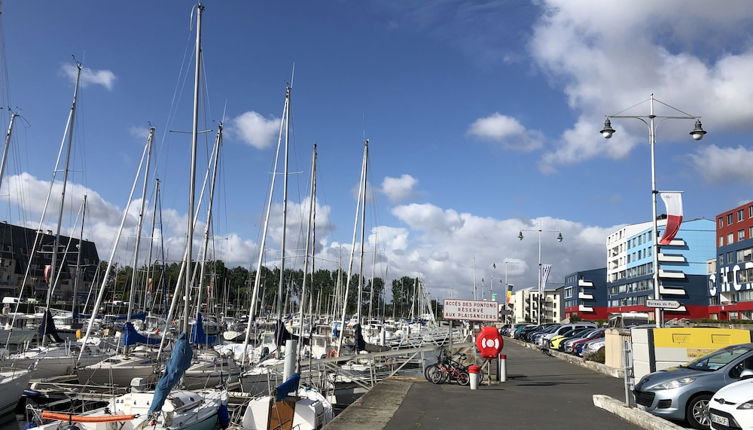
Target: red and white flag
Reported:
point(673, 203)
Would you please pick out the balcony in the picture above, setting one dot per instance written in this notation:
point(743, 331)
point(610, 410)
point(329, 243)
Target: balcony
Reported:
point(585, 284)
point(671, 274)
point(671, 291)
point(676, 242)
point(585, 296)
point(671, 258)
point(583, 308)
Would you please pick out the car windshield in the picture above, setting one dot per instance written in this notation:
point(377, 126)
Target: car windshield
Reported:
point(717, 360)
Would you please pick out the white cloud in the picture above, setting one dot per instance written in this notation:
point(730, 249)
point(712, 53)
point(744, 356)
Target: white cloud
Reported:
point(255, 130)
point(399, 189)
point(138, 132)
point(607, 56)
point(507, 131)
point(106, 78)
point(724, 165)
point(440, 245)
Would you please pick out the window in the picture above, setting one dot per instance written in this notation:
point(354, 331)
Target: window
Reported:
point(650, 233)
point(721, 240)
point(729, 219)
point(730, 239)
point(721, 221)
point(750, 212)
point(740, 235)
point(750, 232)
point(740, 215)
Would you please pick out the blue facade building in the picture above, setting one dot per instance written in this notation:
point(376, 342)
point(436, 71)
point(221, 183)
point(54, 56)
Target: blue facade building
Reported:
point(682, 268)
point(585, 294)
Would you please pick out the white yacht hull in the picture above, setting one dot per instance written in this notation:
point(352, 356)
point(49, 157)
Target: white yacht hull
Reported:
point(12, 386)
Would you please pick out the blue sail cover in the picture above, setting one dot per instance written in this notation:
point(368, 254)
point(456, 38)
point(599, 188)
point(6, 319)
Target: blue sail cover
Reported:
point(198, 336)
point(179, 362)
point(287, 387)
point(132, 337)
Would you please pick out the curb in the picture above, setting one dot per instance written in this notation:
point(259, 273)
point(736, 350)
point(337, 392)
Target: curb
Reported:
point(592, 365)
point(635, 416)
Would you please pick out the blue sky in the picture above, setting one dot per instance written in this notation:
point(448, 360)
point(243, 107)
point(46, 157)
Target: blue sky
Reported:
point(491, 107)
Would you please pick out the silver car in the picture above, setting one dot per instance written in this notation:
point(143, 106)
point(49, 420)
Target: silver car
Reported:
point(683, 392)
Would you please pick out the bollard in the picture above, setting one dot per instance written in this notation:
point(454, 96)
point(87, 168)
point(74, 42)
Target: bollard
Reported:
point(502, 368)
point(473, 373)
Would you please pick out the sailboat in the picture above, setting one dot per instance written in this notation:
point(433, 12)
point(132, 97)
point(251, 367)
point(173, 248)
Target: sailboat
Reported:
point(163, 408)
point(120, 369)
point(291, 406)
point(59, 358)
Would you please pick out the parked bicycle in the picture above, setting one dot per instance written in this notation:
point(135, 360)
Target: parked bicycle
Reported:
point(448, 369)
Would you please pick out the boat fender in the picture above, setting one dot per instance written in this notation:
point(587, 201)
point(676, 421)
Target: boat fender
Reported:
point(223, 416)
point(31, 393)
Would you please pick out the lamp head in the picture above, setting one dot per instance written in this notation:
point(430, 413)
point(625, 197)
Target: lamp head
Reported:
point(520, 235)
point(698, 131)
point(607, 131)
point(559, 237)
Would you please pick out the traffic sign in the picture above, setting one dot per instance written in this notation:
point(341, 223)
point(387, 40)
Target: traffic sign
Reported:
point(662, 304)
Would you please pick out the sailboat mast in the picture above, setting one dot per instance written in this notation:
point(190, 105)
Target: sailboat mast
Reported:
point(210, 206)
point(148, 282)
point(134, 277)
point(77, 277)
point(312, 200)
point(371, 293)
point(363, 230)
point(361, 194)
point(192, 174)
point(8, 136)
point(257, 278)
point(71, 122)
point(284, 211)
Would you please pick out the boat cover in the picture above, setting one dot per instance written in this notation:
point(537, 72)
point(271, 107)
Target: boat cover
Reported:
point(179, 362)
point(287, 387)
point(198, 336)
point(132, 337)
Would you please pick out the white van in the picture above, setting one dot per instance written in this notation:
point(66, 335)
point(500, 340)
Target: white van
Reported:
point(627, 319)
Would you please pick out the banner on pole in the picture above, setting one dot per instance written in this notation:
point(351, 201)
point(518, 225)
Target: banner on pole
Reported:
point(545, 269)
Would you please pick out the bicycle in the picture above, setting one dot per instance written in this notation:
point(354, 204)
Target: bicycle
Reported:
point(447, 369)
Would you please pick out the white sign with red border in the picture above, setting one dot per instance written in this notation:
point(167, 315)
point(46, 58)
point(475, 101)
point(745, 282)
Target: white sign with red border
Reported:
point(471, 310)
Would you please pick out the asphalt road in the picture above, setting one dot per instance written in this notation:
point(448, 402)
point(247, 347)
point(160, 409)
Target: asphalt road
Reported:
point(541, 392)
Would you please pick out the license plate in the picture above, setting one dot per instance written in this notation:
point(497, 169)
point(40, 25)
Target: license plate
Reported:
point(722, 421)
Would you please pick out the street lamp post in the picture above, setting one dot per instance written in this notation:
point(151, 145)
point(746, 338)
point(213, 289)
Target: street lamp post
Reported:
point(697, 134)
point(540, 286)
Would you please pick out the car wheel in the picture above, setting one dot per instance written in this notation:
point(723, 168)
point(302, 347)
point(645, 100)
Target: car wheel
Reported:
point(697, 412)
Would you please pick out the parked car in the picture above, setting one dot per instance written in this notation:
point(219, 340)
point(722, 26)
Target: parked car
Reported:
point(589, 336)
point(520, 331)
point(684, 392)
point(558, 342)
point(591, 344)
point(584, 335)
point(566, 328)
point(732, 406)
